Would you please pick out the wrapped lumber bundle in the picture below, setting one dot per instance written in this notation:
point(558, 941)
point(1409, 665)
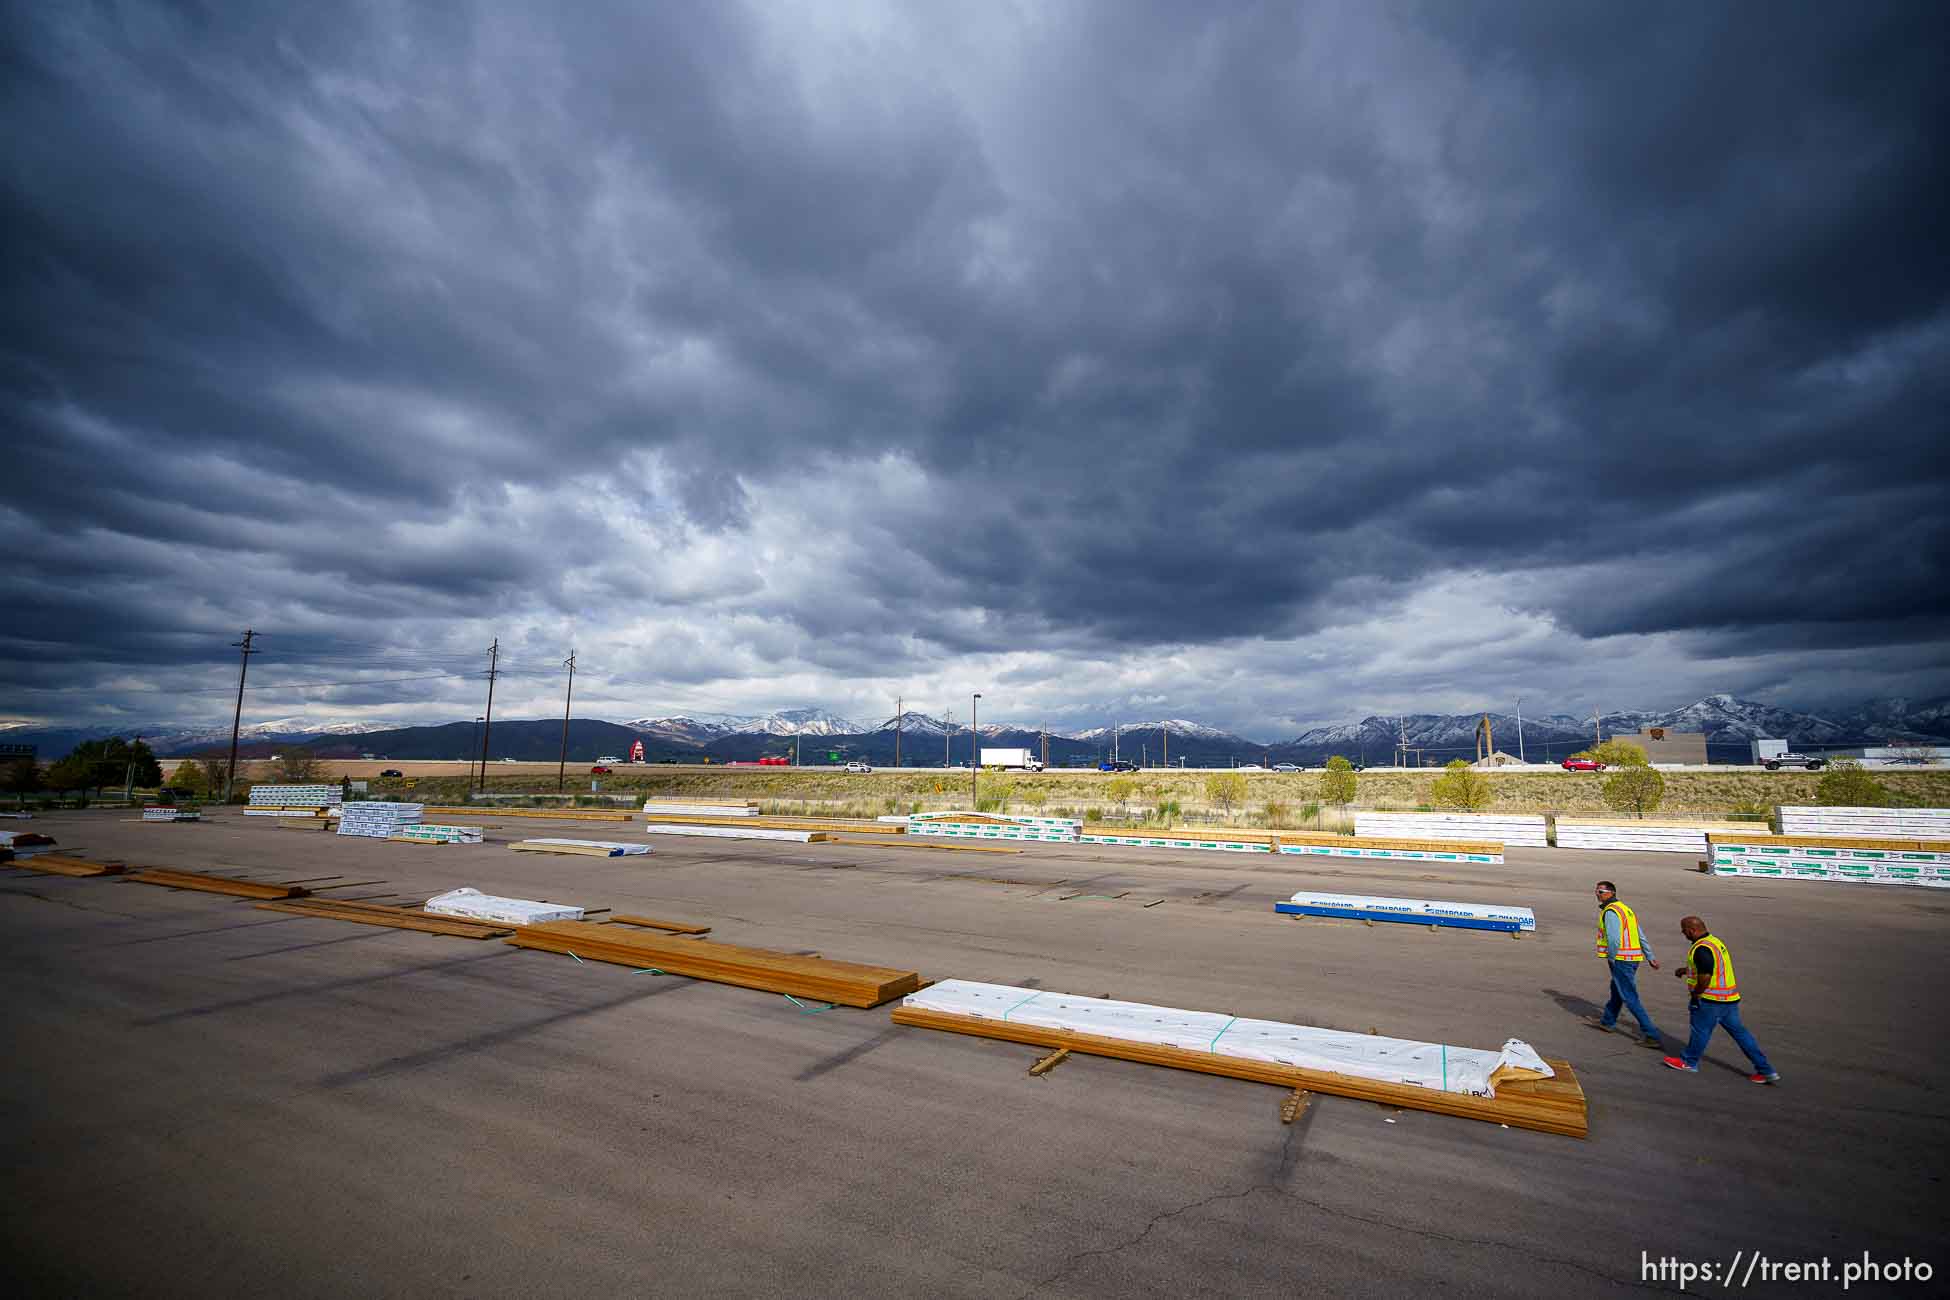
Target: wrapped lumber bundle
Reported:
point(379, 820)
point(476, 906)
point(1507, 829)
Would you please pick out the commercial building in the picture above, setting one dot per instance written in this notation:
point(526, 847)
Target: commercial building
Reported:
point(1664, 745)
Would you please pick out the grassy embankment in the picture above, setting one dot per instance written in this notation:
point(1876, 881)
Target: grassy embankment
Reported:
point(831, 793)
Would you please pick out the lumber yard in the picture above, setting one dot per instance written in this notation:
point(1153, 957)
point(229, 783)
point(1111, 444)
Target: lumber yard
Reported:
point(792, 1054)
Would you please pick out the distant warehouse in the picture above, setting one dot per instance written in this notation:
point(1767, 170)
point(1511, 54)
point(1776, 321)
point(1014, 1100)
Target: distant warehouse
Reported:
point(1664, 745)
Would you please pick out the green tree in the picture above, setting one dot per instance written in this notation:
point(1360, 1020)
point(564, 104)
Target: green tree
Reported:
point(189, 775)
point(73, 772)
point(1846, 785)
point(1338, 783)
point(1462, 787)
point(23, 776)
point(1618, 753)
point(94, 764)
point(1275, 813)
point(1634, 789)
point(1119, 790)
point(1226, 789)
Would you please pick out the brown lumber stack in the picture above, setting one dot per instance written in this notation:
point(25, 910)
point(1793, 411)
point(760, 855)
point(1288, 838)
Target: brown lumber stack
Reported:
point(215, 884)
point(56, 864)
point(398, 918)
point(1830, 842)
point(1554, 1105)
point(840, 982)
point(675, 927)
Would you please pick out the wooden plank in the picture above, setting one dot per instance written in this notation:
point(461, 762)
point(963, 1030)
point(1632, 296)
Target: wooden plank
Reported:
point(554, 814)
point(844, 983)
point(573, 850)
point(58, 864)
point(675, 927)
point(908, 843)
point(781, 823)
point(215, 884)
point(396, 918)
point(1554, 1105)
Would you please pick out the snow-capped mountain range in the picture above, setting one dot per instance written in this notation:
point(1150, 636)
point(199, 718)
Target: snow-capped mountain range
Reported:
point(1728, 722)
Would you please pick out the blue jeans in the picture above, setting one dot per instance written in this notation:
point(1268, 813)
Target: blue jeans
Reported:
point(1709, 1016)
point(1625, 993)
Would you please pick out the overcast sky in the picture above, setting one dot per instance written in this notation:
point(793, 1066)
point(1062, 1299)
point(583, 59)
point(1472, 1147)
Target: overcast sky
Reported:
point(1259, 364)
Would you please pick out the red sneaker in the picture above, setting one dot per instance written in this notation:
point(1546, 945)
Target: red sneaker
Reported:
point(1764, 1078)
point(1674, 1063)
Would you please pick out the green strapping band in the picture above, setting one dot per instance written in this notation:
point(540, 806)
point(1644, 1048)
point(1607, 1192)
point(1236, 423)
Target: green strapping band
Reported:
point(804, 1010)
point(1213, 1046)
point(1026, 1001)
point(1445, 1067)
point(579, 960)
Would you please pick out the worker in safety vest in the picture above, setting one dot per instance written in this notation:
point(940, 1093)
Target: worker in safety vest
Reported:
point(1716, 1002)
point(1623, 947)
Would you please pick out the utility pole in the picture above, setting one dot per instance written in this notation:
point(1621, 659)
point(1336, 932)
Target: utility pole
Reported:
point(1045, 738)
point(974, 753)
point(947, 738)
point(236, 719)
point(487, 719)
point(796, 723)
point(1597, 728)
point(1520, 757)
point(128, 783)
point(562, 763)
point(898, 718)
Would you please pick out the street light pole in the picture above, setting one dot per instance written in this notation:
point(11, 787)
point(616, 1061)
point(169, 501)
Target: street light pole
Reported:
point(1520, 757)
point(974, 753)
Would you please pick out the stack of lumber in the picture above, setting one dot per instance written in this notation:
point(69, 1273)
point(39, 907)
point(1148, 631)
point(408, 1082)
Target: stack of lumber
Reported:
point(432, 833)
point(853, 824)
point(1877, 823)
point(157, 813)
point(1507, 829)
point(701, 807)
point(57, 864)
point(1346, 846)
point(1664, 835)
point(547, 814)
point(215, 884)
point(1837, 858)
point(737, 833)
point(1414, 911)
point(839, 982)
point(585, 848)
point(396, 918)
point(292, 800)
point(476, 906)
point(995, 826)
point(1513, 1086)
point(1006, 819)
point(379, 820)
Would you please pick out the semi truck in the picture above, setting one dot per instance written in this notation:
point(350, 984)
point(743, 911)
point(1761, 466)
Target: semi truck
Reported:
point(1013, 758)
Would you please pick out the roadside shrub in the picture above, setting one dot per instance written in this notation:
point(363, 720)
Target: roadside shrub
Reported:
point(1846, 785)
point(1462, 788)
point(1275, 812)
point(1338, 783)
point(1093, 814)
point(1634, 789)
point(1225, 789)
point(1310, 812)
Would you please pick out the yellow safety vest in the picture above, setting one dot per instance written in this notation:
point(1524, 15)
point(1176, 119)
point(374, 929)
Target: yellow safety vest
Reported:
point(1630, 947)
point(1723, 987)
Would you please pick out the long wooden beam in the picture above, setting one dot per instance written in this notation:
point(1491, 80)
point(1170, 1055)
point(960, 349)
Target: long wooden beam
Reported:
point(397, 918)
point(1554, 1105)
point(674, 927)
point(215, 884)
point(59, 864)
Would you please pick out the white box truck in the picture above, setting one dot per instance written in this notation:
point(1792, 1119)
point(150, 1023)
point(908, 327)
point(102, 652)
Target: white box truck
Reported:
point(1015, 758)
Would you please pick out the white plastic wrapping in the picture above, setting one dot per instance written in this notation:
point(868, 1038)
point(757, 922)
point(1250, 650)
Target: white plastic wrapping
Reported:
point(1437, 1066)
point(475, 905)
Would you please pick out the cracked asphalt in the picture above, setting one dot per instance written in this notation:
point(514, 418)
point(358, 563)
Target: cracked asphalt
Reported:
point(206, 1099)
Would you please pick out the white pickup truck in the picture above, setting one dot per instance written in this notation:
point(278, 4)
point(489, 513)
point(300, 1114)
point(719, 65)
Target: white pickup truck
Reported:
point(1775, 762)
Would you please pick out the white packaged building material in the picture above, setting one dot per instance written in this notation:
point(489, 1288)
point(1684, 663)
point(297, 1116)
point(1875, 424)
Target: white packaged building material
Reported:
point(280, 812)
point(677, 808)
point(1167, 840)
point(1436, 1066)
point(296, 796)
point(1070, 823)
point(379, 820)
point(1884, 823)
point(1508, 829)
point(992, 831)
point(1420, 911)
point(429, 833)
point(155, 813)
point(1643, 837)
point(733, 832)
point(616, 848)
point(1870, 866)
point(475, 905)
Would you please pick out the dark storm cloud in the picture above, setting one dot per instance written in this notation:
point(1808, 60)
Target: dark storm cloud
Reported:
point(1193, 324)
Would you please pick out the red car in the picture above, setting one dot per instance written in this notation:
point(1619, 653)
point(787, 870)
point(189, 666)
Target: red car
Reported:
point(599, 771)
point(1583, 765)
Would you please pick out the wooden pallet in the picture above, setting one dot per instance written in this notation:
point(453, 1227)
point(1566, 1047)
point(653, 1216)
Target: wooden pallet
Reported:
point(398, 918)
point(839, 982)
point(56, 864)
point(674, 927)
point(215, 884)
point(1554, 1105)
point(780, 823)
point(547, 814)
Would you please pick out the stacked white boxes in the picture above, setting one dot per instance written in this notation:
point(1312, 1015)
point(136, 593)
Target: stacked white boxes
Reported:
point(1878, 823)
point(153, 813)
point(295, 796)
point(1645, 837)
point(379, 820)
point(1510, 829)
